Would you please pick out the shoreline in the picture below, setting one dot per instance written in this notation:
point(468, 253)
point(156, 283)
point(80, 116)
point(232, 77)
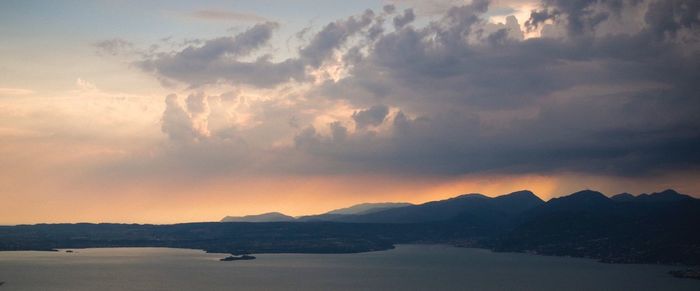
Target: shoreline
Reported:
point(679, 273)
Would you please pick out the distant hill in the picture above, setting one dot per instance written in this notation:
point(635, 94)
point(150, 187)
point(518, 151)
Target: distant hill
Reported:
point(578, 201)
point(345, 214)
point(265, 217)
point(468, 207)
point(663, 196)
point(366, 208)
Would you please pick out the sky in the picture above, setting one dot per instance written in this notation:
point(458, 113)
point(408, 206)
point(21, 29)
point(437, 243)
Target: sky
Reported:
point(179, 111)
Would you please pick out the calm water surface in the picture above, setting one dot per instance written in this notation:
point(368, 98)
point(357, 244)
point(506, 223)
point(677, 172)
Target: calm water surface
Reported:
point(409, 267)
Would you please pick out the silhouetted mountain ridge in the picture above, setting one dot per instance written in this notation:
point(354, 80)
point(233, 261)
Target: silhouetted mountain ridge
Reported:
point(358, 209)
point(623, 197)
point(668, 195)
point(366, 208)
point(648, 228)
point(468, 207)
point(578, 201)
point(658, 227)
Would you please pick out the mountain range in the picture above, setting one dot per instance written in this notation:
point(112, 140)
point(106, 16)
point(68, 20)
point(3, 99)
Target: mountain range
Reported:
point(333, 215)
point(647, 228)
point(468, 207)
point(395, 212)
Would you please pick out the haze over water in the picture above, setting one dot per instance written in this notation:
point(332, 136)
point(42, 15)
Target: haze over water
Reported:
point(408, 267)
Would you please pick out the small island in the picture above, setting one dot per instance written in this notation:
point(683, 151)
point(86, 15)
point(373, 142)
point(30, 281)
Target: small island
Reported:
point(237, 258)
point(687, 273)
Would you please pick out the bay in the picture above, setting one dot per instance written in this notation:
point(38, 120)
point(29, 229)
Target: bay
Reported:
point(408, 267)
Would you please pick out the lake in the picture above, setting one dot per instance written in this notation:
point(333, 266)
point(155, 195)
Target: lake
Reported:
point(408, 267)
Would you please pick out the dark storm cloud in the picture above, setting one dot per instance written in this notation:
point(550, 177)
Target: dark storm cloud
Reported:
point(662, 16)
point(621, 104)
point(476, 97)
point(580, 15)
point(672, 15)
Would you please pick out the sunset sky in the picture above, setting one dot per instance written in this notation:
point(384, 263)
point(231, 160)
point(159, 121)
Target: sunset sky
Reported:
point(178, 111)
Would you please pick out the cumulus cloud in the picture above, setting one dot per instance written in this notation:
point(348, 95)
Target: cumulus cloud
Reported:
point(534, 105)
point(114, 47)
point(218, 60)
point(404, 19)
point(468, 95)
point(177, 123)
point(389, 8)
point(372, 116)
point(583, 16)
point(579, 15)
point(332, 36)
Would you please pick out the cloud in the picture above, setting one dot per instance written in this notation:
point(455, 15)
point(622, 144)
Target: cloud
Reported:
point(500, 32)
point(218, 60)
point(114, 47)
point(467, 96)
point(240, 45)
point(583, 16)
point(372, 116)
point(668, 17)
point(332, 36)
point(542, 105)
point(580, 15)
point(177, 123)
point(404, 19)
point(389, 8)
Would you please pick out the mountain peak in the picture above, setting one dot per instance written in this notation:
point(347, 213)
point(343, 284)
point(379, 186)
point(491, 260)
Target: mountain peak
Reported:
point(668, 192)
point(518, 201)
point(470, 196)
point(580, 200)
point(587, 194)
point(668, 195)
point(522, 194)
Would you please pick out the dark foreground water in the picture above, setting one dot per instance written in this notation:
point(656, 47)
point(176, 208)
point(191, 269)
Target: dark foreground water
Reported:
point(409, 267)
